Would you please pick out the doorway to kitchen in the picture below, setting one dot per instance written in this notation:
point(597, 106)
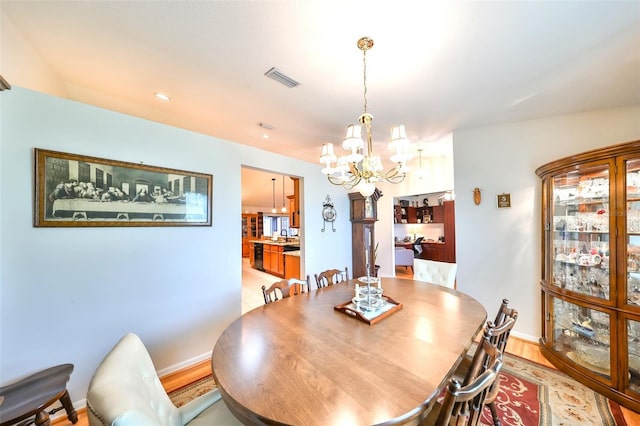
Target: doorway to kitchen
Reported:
point(271, 231)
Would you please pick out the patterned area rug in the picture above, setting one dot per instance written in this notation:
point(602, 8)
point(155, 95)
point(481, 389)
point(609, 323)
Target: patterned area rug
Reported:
point(533, 394)
point(530, 394)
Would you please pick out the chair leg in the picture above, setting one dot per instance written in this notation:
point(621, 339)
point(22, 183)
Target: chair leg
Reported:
point(65, 400)
point(494, 414)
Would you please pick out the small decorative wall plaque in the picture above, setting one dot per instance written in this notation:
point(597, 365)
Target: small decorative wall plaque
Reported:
point(504, 201)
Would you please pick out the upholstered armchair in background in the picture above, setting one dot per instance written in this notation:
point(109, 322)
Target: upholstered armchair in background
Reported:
point(404, 257)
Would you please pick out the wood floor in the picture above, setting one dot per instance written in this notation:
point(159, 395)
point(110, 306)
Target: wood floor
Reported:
point(171, 382)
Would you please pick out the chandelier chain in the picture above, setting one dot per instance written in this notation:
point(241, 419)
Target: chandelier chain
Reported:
point(364, 78)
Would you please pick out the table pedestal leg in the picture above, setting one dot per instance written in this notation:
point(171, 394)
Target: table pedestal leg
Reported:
point(42, 418)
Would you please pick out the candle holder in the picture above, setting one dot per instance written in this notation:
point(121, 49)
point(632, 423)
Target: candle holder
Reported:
point(368, 298)
point(369, 303)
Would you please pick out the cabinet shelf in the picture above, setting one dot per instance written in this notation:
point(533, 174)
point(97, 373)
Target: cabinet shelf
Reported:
point(581, 202)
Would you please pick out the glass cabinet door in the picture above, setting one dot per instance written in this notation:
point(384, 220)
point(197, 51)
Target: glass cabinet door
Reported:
point(580, 234)
point(633, 354)
point(582, 335)
point(632, 185)
point(254, 227)
point(244, 227)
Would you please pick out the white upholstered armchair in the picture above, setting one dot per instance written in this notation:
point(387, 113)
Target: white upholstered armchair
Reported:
point(441, 273)
point(125, 390)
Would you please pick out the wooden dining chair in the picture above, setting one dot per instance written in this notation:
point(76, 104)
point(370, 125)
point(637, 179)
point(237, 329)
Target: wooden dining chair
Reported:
point(504, 313)
point(465, 403)
point(497, 337)
point(286, 288)
point(331, 277)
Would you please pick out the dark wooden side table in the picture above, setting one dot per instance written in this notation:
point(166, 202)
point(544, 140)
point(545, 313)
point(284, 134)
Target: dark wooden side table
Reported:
point(33, 394)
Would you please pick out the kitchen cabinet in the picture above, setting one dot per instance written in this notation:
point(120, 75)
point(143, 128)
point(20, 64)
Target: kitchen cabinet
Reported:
point(591, 269)
point(251, 230)
point(294, 204)
point(273, 259)
point(291, 266)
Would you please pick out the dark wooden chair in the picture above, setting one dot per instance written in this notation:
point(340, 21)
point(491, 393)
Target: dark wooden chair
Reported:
point(32, 395)
point(465, 403)
point(417, 247)
point(331, 277)
point(497, 333)
point(505, 313)
point(285, 288)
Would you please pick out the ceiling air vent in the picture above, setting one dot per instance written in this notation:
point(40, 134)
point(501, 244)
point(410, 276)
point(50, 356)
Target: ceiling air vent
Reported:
point(277, 75)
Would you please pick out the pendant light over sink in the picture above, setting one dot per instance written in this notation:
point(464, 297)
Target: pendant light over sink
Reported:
point(273, 182)
point(284, 209)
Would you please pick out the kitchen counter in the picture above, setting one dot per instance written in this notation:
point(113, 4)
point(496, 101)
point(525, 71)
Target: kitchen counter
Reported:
point(277, 243)
point(278, 258)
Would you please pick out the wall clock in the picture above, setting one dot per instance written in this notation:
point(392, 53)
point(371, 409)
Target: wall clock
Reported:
point(328, 213)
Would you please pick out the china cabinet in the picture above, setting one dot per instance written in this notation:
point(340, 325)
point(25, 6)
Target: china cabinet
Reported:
point(251, 230)
point(591, 269)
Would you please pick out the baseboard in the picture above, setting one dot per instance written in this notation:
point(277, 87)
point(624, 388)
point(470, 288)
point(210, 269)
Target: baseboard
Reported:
point(525, 337)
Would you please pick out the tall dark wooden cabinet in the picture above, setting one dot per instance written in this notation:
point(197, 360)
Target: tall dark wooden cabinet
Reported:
point(449, 220)
point(591, 269)
point(363, 215)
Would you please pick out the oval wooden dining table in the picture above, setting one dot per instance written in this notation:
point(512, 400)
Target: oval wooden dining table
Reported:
point(297, 361)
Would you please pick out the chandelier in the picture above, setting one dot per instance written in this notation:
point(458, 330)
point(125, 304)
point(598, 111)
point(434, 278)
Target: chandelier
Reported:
point(360, 169)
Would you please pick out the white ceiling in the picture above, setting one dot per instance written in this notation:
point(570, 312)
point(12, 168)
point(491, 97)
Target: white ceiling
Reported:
point(436, 65)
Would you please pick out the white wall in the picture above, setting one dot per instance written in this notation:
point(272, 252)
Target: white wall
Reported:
point(498, 250)
point(68, 294)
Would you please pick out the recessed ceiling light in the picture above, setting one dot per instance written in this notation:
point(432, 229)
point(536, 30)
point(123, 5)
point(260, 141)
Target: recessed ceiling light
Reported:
point(162, 96)
point(265, 136)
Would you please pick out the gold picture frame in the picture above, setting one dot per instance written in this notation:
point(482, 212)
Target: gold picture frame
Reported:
point(74, 190)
